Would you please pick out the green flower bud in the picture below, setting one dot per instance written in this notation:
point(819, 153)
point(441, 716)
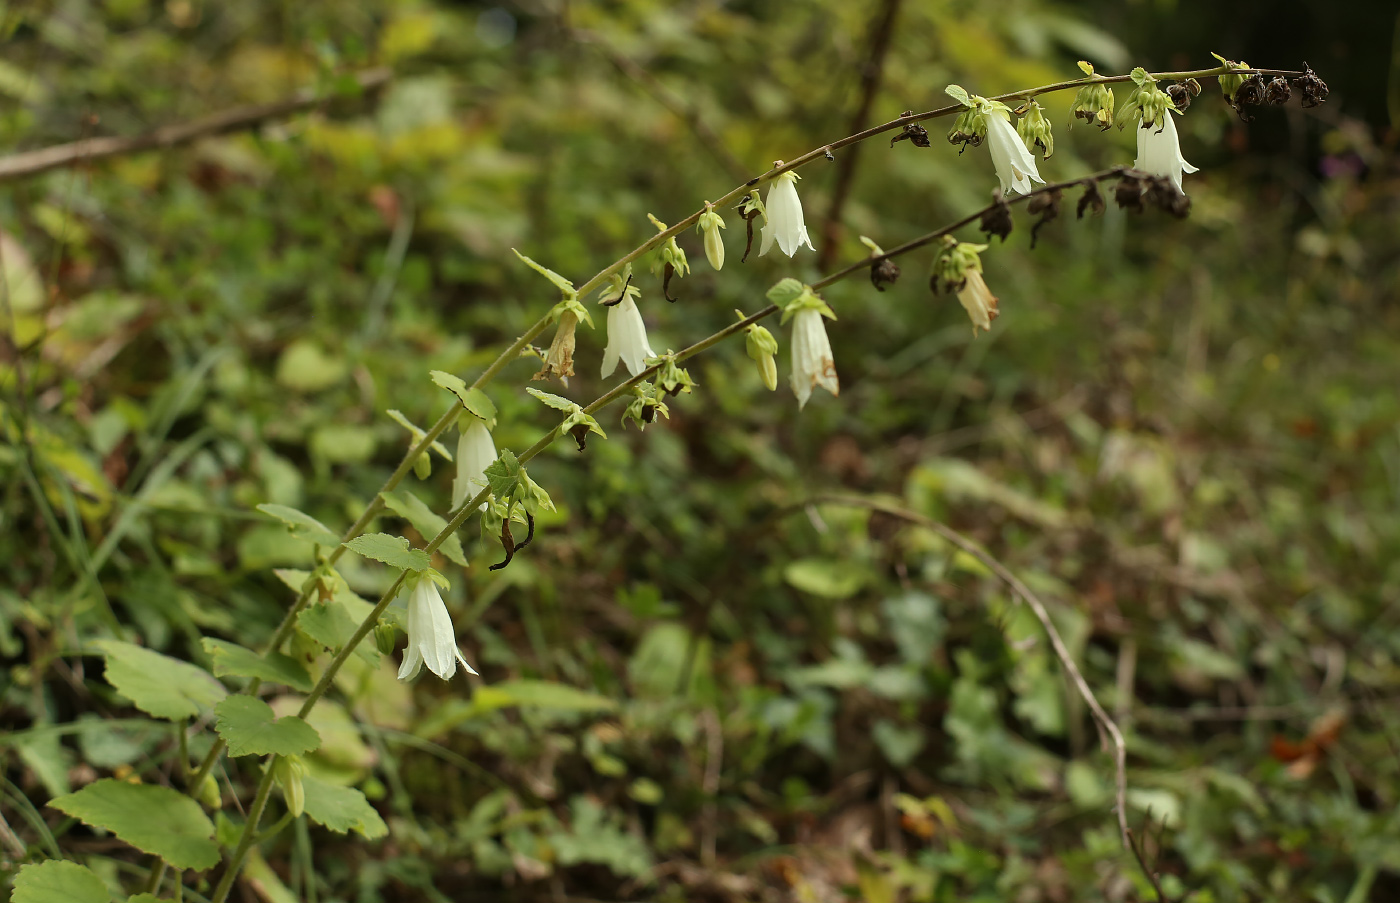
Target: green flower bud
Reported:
point(1034, 129)
point(762, 348)
point(423, 467)
point(386, 637)
point(208, 793)
point(288, 771)
point(709, 225)
point(1094, 104)
point(1230, 83)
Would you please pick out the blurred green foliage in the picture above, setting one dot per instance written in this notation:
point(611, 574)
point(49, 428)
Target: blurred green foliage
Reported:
point(695, 684)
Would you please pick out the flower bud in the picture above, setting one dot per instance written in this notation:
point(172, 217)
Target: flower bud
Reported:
point(1229, 82)
point(709, 225)
point(762, 348)
point(1093, 103)
point(288, 771)
point(423, 468)
point(1034, 129)
point(386, 637)
point(208, 793)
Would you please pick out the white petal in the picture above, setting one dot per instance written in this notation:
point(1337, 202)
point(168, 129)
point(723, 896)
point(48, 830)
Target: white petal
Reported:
point(475, 452)
point(812, 363)
point(785, 221)
point(627, 339)
point(767, 234)
point(1014, 164)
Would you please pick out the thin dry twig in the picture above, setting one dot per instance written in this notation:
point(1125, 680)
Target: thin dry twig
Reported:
point(29, 163)
point(1108, 726)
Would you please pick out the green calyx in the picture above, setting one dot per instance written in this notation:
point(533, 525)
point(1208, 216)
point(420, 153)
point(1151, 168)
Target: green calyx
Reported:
point(954, 261)
point(1034, 129)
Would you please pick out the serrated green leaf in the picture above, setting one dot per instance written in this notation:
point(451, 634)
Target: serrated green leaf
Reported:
point(417, 432)
point(302, 524)
point(249, 727)
point(503, 474)
point(474, 400)
point(342, 809)
point(412, 509)
point(58, 881)
point(332, 624)
point(158, 684)
point(554, 401)
point(154, 819)
point(959, 93)
point(392, 550)
point(560, 282)
point(786, 291)
point(230, 659)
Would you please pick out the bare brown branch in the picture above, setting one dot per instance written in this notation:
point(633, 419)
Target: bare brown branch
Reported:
point(29, 163)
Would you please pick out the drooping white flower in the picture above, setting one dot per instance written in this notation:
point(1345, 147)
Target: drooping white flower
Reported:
point(475, 452)
point(812, 363)
point(627, 338)
point(431, 638)
point(978, 301)
point(1159, 151)
point(1014, 164)
point(783, 213)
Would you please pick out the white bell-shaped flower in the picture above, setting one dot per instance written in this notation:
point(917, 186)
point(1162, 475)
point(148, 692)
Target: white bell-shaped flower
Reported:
point(812, 363)
point(627, 338)
point(783, 215)
point(431, 638)
point(978, 301)
point(1159, 151)
point(475, 452)
point(1014, 164)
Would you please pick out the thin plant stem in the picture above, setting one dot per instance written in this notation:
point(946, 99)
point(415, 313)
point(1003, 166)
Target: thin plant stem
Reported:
point(249, 835)
point(1057, 643)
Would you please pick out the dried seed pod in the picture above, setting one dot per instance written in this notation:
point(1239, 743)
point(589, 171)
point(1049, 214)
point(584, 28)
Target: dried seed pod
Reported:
point(1164, 195)
point(1092, 200)
point(914, 133)
point(1128, 193)
point(883, 273)
point(997, 219)
point(1250, 93)
point(1314, 89)
point(1180, 96)
point(1277, 92)
point(1047, 204)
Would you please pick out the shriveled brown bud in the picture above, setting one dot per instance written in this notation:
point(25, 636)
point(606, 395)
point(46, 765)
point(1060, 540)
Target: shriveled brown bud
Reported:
point(1047, 204)
point(1250, 93)
point(1180, 96)
point(1128, 193)
point(1165, 196)
point(1313, 89)
point(914, 133)
point(997, 218)
point(580, 434)
point(883, 273)
point(1092, 200)
point(1277, 92)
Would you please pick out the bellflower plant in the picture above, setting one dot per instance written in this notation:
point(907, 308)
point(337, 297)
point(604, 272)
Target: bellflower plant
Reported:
point(475, 452)
point(432, 641)
point(627, 334)
point(783, 212)
point(1159, 151)
point(812, 362)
